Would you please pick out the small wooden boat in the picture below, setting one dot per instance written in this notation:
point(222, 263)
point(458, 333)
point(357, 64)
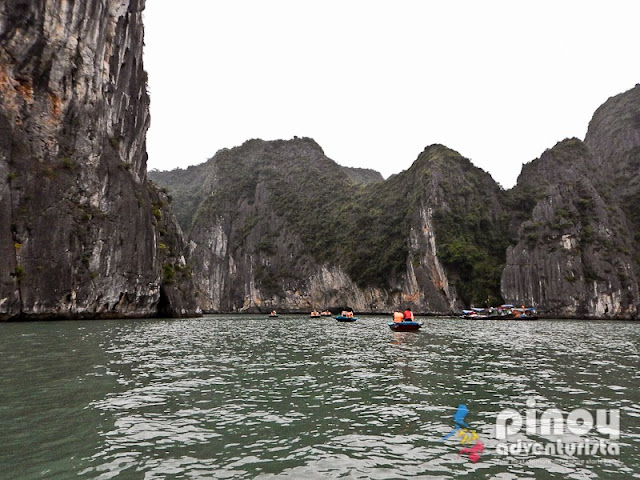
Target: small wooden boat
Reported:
point(273, 314)
point(344, 318)
point(525, 314)
point(326, 313)
point(475, 314)
point(405, 326)
point(315, 315)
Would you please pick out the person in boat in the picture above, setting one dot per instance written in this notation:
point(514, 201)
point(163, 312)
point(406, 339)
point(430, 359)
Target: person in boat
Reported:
point(273, 313)
point(350, 313)
point(397, 316)
point(408, 315)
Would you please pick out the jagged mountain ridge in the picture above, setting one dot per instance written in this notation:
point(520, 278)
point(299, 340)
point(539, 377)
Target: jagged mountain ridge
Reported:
point(563, 239)
point(282, 226)
point(277, 224)
point(190, 186)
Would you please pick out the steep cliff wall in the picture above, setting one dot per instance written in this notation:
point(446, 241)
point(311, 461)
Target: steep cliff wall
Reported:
point(573, 254)
point(279, 225)
point(614, 137)
point(263, 236)
point(468, 229)
point(577, 218)
point(82, 234)
point(576, 255)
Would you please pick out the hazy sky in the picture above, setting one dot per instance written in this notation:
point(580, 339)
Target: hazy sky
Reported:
point(375, 82)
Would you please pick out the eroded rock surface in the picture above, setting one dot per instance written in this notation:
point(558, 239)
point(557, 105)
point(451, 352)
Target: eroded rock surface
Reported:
point(82, 233)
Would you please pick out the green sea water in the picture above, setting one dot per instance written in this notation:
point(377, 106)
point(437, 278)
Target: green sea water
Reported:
point(243, 397)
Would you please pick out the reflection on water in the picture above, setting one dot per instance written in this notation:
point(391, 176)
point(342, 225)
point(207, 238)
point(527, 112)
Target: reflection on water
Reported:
point(249, 397)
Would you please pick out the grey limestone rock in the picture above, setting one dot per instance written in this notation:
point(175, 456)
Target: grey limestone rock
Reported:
point(82, 232)
point(576, 251)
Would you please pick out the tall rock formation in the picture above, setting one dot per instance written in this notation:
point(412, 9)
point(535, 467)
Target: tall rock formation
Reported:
point(614, 139)
point(578, 221)
point(279, 225)
point(82, 233)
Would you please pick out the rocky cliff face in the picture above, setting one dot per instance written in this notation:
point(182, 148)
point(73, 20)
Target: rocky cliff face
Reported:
point(573, 254)
point(576, 248)
point(262, 237)
point(468, 229)
point(279, 225)
point(614, 139)
point(82, 233)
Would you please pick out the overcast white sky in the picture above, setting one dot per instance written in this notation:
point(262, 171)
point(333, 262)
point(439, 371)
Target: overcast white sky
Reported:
point(375, 82)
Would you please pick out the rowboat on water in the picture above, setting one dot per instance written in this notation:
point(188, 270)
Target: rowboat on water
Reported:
point(405, 326)
point(346, 316)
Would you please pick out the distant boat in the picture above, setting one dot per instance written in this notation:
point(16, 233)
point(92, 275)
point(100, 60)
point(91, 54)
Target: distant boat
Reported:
point(344, 318)
point(503, 312)
point(273, 314)
point(326, 313)
point(315, 314)
point(405, 326)
point(475, 314)
point(525, 314)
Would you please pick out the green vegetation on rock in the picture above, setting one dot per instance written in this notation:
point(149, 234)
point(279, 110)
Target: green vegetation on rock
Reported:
point(261, 188)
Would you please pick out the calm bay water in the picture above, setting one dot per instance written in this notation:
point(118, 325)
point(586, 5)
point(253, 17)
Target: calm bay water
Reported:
point(249, 397)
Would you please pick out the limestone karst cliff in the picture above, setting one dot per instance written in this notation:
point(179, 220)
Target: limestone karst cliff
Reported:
point(577, 240)
point(279, 225)
point(82, 233)
point(574, 251)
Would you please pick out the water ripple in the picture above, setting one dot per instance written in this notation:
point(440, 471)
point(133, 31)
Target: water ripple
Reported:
point(246, 397)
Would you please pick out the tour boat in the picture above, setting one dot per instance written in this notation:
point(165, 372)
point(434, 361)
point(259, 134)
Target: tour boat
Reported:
point(503, 312)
